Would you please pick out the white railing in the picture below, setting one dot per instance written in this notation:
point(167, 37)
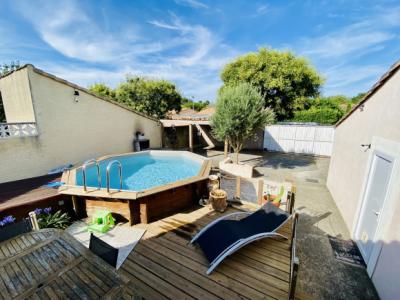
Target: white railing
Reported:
point(15, 130)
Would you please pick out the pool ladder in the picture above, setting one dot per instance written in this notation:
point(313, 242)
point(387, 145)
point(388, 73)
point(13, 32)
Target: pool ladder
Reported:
point(84, 166)
point(110, 164)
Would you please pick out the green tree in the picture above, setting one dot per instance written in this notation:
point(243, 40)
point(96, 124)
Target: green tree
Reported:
point(196, 105)
point(358, 98)
point(281, 77)
point(240, 111)
point(102, 90)
point(152, 97)
point(8, 68)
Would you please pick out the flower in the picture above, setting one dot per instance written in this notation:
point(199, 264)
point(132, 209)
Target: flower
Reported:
point(38, 211)
point(47, 210)
point(7, 220)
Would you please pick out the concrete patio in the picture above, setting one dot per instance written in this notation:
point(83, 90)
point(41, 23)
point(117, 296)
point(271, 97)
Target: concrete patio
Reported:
point(321, 275)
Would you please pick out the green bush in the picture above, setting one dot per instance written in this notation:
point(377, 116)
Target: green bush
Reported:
point(46, 219)
point(321, 115)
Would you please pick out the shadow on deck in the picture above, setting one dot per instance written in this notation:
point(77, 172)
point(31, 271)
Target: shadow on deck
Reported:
point(163, 265)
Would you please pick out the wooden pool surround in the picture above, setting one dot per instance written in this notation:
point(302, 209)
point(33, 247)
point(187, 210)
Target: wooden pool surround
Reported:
point(138, 207)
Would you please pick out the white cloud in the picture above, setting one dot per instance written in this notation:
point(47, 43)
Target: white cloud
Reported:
point(66, 28)
point(338, 53)
point(188, 54)
point(262, 9)
point(192, 3)
point(344, 43)
point(352, 78)
point(357, 38)
point(199, 38)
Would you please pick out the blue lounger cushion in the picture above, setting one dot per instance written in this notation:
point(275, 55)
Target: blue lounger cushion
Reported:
point(227, 232)
point(54, 184)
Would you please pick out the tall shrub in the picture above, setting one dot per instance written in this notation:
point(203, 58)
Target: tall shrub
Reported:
point(321, 115)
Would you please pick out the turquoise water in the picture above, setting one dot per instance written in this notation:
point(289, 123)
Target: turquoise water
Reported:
point(141, 172)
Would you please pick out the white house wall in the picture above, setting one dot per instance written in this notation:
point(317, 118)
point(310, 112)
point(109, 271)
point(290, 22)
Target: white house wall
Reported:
point(16, 96)
point(70, 132)
point(379, 117)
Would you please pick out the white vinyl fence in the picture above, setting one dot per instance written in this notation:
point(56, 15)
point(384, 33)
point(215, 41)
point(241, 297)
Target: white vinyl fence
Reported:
point(299, 138)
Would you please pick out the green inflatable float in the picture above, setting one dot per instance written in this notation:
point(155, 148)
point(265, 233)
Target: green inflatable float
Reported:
point(102, 221)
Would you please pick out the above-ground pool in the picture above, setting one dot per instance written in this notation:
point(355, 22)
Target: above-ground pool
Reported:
point(142, 171)
point(152, 184)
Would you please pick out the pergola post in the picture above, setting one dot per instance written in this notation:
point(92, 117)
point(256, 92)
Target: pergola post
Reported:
point(190, 137)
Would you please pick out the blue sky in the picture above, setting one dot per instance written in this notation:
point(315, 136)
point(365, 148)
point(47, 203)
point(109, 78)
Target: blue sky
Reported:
point(351, 43)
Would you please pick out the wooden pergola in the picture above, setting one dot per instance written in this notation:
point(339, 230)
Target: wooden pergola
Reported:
point(190, 123)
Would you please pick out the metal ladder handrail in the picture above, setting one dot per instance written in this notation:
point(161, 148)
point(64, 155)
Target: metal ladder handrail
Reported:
point(87, 163)
point(110, 164)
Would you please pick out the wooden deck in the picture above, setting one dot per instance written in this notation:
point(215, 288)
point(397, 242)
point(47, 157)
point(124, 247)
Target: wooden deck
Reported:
point(50, 264)
point(17, 198)
point(164, 266)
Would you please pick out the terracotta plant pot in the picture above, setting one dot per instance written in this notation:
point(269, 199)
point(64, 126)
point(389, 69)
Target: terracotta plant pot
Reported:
point(218, 200)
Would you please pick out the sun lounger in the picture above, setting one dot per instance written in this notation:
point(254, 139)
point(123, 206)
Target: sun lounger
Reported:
point(226, 235)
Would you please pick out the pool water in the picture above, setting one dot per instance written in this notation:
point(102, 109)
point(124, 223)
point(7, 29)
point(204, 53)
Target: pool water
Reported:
point(141, 172)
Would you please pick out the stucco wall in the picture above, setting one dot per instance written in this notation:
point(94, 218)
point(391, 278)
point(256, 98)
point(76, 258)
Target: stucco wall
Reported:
point(70, 132)
point(380, 117)
point(16, 97)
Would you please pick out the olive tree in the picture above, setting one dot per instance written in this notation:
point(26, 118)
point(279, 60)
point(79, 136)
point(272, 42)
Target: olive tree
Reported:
point(240, 111)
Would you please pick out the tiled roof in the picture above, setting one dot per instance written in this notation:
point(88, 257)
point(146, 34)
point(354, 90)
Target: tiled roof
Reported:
point(190, 114)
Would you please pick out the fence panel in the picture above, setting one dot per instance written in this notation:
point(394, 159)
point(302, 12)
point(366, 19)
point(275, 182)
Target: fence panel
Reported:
point(299, 138)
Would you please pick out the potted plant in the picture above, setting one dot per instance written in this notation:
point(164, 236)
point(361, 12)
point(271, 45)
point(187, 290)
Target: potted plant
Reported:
point(218, 199)
point(46, 219)
point(9, 228)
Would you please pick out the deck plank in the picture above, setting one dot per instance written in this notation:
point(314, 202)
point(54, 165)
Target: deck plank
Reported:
point(55, 266)
point(163, 257)
point(163, 265)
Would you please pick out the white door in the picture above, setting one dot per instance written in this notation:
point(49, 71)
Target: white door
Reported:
point(374, 197)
